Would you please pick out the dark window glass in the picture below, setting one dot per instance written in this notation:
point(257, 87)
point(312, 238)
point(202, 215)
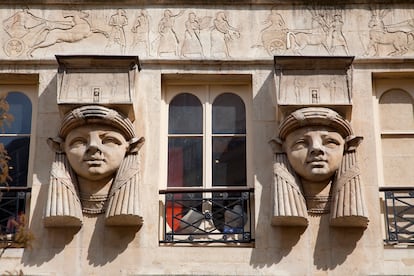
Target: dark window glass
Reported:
point(185, 115)
point(229, 161)
point(229, 115)
point(185, 161)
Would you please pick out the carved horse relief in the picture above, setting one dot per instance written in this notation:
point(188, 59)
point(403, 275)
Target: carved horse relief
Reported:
point(316, 36)
point(381, 34)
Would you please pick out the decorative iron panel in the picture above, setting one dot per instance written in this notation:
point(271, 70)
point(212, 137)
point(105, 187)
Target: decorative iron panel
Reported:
point(217, 215)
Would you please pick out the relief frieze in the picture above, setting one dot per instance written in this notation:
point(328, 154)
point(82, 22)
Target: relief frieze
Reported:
point(208, 33)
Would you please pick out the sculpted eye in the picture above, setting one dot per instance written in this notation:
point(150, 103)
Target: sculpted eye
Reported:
point(299, 144)
point(111, 140)
point(331, 142)
point(76, 142)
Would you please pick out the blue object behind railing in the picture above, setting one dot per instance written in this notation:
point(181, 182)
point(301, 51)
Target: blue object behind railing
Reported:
point(196, 215)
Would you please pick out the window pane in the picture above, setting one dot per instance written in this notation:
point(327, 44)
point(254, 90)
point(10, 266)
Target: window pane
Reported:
point(229, 115)
point(185, 161)
point(21, 109)
point(18, 151)
point(185, 115)
point(229, 161)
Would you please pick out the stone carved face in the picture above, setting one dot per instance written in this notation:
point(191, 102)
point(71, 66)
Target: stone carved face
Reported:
point(96, 151)
point(315, 152)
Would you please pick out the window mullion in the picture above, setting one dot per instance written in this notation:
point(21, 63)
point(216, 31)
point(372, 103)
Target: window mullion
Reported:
point(207, 143)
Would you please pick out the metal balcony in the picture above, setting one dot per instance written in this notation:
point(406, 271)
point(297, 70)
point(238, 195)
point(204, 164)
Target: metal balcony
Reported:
point(12, 206)
point(216, 215)
point(399, 214)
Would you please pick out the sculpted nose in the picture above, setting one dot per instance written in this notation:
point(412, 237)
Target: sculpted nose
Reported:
point(93, 147)
point(316, 148)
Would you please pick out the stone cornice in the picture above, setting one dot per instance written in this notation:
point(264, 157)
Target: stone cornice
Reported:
point(201, 2)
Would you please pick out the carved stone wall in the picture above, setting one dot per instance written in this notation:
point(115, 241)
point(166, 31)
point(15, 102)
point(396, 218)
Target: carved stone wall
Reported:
point(194, 43)
point(214, 33)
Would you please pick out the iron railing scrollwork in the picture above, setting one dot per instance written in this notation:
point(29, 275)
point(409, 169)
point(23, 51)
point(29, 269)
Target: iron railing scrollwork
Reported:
point(197, 215)
point(399, 214)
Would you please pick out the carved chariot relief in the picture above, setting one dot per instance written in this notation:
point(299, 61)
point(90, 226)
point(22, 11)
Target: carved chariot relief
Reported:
point(96, 167)
point(29, 32)
point(315, 167)
point(325, 35)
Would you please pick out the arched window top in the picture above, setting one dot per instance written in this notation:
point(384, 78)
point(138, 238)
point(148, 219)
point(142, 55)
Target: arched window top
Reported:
point(185, 115)
point(396, 110)
point(229, 114)
point(21, 109)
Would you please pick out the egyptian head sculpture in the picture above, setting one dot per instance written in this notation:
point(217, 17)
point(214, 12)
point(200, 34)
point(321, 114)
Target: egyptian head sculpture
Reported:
point(316, 171)
point(96, 169)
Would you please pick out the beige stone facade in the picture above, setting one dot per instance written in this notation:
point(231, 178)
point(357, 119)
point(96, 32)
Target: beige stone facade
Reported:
point(209, 48)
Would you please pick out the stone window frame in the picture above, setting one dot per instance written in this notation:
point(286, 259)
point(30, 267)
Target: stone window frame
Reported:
point(26, 85)
point(200, 86)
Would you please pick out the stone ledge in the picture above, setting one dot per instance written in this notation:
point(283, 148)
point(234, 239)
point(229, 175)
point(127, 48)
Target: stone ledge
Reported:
point(202, 2)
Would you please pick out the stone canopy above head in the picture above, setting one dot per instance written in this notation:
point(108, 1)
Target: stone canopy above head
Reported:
point(97, 79)
point(316, 81)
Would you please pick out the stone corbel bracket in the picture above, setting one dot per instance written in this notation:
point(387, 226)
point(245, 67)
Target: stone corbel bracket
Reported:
point(97, 79)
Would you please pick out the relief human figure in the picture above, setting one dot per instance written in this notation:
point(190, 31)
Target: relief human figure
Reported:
point(221, 35)
point(274, 36)
point(117, 33)
point(316, 170)
point(95, 169)
point(168, 40)
point(336, 38)
point(140, 29)
point(192, 45)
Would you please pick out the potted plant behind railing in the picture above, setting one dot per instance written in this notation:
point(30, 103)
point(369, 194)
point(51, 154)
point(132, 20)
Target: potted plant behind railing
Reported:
point(5, 120)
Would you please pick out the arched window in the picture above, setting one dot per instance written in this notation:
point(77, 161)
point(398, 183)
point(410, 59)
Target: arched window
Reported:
point(185, 141)
point(15, 136)
point(396, 110)
point(229, 141)
point(397, 136)
point(16, 114)
point(207, 177)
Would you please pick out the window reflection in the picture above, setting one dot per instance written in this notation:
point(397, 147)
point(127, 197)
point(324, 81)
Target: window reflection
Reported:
point(229, 115)
point(16, 138)
point(21, 109)
point(185, 115)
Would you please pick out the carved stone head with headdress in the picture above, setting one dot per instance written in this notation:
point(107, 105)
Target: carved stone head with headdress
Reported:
point(96, 158)
point(317, 162)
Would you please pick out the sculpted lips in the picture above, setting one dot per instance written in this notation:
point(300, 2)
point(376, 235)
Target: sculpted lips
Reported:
point(95, 161)
point(317, 162)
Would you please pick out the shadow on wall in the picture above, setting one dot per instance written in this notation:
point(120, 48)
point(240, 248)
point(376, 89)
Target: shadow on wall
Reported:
point(334, 244)
point(48, 242)
point(272, 243)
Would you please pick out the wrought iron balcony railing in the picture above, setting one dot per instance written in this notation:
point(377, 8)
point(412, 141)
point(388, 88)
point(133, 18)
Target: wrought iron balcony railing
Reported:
point(12, 206)
point(399, 214)
point(196, 215)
